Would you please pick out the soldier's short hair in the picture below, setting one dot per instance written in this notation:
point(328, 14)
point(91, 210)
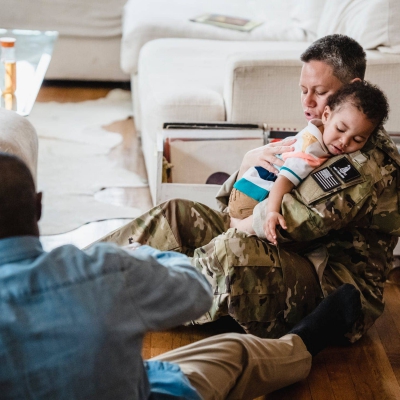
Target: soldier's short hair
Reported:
point(343, 54)
point(366, 97)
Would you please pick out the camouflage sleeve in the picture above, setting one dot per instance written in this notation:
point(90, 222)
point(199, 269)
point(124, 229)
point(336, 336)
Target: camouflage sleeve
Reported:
point(225, 191)
point(311, 213)
point(259, 215)
point(309, 219)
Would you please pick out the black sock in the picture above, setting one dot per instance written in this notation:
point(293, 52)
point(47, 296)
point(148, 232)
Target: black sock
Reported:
point(333, 317)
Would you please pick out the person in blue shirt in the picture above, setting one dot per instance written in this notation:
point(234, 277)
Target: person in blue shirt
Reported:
point(72, 322)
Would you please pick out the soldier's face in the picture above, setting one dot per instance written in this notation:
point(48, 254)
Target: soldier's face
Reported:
point(317, 83)
point(346, 129)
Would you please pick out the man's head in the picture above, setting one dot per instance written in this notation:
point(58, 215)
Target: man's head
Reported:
point(329, 63)
point(351, 115)
point(20, 205)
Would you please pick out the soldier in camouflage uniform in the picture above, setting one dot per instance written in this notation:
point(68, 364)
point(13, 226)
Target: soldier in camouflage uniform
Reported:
point(343, 233)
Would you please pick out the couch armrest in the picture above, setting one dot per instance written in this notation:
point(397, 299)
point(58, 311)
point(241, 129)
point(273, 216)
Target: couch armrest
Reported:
point(264, 88)
point(384, 70)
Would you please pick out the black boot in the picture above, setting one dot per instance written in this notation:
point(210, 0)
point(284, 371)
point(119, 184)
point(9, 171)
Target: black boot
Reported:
point(333, 317)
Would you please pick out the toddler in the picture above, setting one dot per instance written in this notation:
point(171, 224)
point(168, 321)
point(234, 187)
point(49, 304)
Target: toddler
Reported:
point(351, 115)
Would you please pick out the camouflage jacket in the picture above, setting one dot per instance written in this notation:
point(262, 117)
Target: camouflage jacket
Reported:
point(355, 223)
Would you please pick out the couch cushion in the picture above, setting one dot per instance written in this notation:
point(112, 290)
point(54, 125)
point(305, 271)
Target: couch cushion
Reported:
point(143, 21)
point(180, 80)
point(87, 18)
point(306, 14)
point(372, 23)
point(183, 79)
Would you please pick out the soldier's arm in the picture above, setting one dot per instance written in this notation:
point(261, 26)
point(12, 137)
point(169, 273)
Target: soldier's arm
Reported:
point(224, 192)
point(311, 212)
point(262, 156)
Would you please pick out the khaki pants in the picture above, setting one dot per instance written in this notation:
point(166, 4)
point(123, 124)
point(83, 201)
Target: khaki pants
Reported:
point(238, 367)
point(241, 206)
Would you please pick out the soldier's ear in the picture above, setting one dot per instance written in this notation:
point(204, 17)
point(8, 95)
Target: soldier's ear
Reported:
point(326, 114)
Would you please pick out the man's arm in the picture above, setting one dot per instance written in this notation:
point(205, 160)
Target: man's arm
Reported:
point(169, 290)
point(224, 192)
point(264, 156)
point(310, 212)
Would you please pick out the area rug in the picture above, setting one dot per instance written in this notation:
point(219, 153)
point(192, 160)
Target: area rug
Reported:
point(74, 164)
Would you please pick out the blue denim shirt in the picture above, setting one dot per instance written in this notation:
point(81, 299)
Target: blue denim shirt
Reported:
point(72, 322)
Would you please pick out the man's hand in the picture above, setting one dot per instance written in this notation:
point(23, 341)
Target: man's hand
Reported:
point(272, 220)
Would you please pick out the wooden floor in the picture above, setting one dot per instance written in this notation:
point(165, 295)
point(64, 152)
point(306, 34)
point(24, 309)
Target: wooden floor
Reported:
point(369, 369)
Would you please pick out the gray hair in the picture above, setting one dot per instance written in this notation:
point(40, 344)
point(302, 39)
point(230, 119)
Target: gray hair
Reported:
point(343, 54)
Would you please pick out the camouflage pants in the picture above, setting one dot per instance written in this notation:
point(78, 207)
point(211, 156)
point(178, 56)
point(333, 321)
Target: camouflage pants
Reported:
point(264, 288)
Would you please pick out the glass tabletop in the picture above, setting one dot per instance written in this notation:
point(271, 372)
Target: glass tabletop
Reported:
point(33, 50)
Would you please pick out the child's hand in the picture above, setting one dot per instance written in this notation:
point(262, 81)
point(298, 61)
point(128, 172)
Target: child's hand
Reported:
point(273, 218)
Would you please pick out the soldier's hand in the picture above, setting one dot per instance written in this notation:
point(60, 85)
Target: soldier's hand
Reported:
point(265, 156)
point(272, 220)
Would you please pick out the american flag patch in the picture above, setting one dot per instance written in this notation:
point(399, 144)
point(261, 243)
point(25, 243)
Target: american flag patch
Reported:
point(325, 179)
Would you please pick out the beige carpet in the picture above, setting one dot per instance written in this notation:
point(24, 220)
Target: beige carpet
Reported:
point(74, 163)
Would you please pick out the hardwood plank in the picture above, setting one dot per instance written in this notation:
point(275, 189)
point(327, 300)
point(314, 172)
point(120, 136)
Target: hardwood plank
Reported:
point(374, 369)
point(360, 371)
point(388, 328)
point(146, 349)
point(161, 342)
point(338, 372)
point(298, 391)
point(318, 380)
point(392, 298)
point(394, 274)
point(68, 93)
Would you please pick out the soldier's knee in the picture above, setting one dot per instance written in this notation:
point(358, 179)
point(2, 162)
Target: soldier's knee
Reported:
point(170, 202)
point(176, 203)
point(233, 233)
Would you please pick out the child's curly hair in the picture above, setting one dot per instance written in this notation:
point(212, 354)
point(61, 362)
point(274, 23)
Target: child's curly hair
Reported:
point(366, 97)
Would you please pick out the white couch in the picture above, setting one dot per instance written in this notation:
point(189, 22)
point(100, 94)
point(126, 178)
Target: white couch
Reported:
point(143, 21)
point(254, 80)
point(88, 47)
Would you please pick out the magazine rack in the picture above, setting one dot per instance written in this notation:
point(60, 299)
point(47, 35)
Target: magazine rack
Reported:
point(199, 151)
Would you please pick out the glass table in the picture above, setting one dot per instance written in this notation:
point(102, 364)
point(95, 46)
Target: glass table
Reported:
point(33, 50)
